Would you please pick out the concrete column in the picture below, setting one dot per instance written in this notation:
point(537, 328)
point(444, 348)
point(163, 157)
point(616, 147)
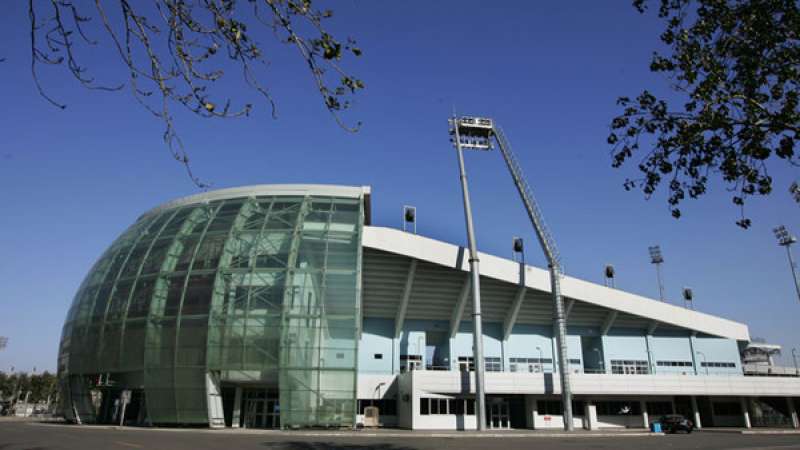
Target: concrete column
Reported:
point(533, 412)
point(645, 416)
point(237, 408)
point(590, 415)
point(695, 362)
point(651, 363)
point(697, 423)
point(745, 413)
point(792, 412)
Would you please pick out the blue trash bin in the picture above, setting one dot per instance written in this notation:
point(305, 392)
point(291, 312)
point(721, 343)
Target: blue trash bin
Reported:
point(655, 427)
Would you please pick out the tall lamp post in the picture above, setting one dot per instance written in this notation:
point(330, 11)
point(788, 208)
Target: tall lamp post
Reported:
point(477, 328)
point(785, 239)
point(794, 358)
point(657, 259)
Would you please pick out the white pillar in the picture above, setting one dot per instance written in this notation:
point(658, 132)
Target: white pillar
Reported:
point(745, 413)
point(534, 412)
point(792, 412)
point(237, 408)
point(697, 422)
point(645, 416)
point(590, 415)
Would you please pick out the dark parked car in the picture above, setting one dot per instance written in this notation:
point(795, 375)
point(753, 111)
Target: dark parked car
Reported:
point(676, 423)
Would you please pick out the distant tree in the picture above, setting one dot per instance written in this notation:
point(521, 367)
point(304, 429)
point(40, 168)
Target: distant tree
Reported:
point(736, 66)
point(179, 52)
point(40, 385)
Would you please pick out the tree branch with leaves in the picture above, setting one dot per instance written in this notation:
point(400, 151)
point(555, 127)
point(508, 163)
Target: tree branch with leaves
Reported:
point(736, 66)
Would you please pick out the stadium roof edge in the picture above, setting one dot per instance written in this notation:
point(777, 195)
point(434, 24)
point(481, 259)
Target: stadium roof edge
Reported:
point(270, 189)
point(442, 253)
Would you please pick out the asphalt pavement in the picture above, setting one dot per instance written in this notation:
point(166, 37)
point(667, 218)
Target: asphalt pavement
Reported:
point(21, 435)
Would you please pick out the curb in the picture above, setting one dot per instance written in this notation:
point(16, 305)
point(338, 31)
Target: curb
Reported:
point(365, 434)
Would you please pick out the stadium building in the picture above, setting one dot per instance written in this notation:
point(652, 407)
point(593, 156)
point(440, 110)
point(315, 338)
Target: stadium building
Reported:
point(280, 306)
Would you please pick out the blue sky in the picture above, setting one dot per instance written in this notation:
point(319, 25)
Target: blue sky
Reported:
point(549, 73)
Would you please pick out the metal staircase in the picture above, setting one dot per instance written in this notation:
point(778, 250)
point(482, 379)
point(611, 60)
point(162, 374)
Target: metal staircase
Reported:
point(526, 193)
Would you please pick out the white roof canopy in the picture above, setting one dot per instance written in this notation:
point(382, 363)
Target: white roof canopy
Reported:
point(582, 298)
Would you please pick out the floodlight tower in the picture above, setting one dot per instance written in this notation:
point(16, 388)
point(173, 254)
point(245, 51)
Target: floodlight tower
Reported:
point(657, 259)
point(475, 137)
point(477, 133)
point(786, 239)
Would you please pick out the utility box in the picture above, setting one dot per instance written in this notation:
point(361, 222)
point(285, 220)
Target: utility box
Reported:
point(371, 416)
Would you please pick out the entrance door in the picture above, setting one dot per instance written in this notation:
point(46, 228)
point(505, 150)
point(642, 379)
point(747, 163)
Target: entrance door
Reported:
point(499, 418)
point(273, 413)
point(254, 413)
point(261, 409)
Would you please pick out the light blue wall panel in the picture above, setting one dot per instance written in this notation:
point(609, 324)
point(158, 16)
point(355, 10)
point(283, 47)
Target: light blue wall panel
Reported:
point(525, 338)
point(624, 344)
point(671, 346)
point(376, 338)
point(718, 350)
point(492, 340)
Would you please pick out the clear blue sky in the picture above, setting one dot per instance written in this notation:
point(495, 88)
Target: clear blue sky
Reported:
point(71, 181)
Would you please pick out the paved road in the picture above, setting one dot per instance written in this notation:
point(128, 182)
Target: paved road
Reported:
point(34, 436)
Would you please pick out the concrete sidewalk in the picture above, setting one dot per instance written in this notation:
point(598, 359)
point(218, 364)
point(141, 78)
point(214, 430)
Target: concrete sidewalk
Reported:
point(751, 430)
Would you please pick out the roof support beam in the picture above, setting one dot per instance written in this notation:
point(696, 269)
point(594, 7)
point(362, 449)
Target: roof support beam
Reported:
point(458, 312)
point(511, 317)
point(401, 310)
point(652, 327)
point(612, 316)
point(568, 309)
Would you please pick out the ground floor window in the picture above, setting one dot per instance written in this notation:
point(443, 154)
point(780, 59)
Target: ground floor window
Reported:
point(439, 406)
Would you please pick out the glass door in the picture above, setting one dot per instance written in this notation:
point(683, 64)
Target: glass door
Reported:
point(499, 417)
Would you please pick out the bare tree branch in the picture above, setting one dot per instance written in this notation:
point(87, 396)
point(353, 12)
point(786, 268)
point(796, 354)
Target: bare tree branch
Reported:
point(177, 52)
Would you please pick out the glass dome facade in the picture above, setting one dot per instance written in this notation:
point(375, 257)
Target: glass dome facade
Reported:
point(228, 290)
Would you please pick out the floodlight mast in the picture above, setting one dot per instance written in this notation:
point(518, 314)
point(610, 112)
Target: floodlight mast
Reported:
point(477, 326)
point(786, 239)
point(477, 133)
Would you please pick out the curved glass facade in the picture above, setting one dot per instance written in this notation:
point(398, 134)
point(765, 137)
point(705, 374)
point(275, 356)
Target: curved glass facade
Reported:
point(245, 291)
